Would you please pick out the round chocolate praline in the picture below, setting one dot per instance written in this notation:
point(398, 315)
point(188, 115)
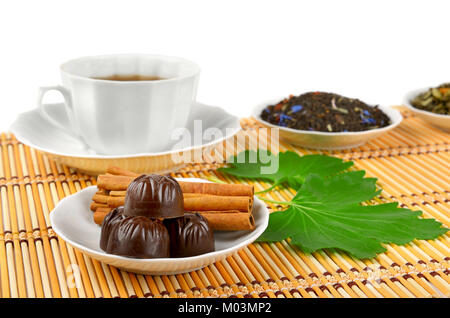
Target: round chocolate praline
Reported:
point(138, 236)
point(154, 196)
point(190, 235)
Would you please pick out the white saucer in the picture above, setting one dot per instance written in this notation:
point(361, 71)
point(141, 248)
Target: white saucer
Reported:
point(34, 131)
point(72, 220)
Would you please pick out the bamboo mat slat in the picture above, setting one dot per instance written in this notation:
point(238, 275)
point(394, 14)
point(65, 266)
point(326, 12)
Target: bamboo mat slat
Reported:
point(412, 164)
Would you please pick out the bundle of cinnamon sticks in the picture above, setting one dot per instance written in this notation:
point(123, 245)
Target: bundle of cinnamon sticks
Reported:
point(227, 207)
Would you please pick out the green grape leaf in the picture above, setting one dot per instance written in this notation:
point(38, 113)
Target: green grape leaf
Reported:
point(327, 213)
point(286, 168)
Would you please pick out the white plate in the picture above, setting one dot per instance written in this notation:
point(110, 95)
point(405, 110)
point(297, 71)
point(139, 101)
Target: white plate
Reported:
point(72, 221)
point(438, 120)
point(34, 131)
point(328, 140)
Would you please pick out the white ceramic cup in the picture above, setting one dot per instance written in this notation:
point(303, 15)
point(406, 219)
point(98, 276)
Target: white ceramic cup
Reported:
point(125, 117)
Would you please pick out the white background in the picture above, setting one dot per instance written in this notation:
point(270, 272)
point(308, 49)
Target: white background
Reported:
point(249, 51)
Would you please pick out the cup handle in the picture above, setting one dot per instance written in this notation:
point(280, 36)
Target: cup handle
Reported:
point(67, 106)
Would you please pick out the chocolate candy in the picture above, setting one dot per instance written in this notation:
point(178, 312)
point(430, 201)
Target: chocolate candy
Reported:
point(109, 222)
point(154, 196)
point(137, 236)
point(135, 230)
point(190, 235)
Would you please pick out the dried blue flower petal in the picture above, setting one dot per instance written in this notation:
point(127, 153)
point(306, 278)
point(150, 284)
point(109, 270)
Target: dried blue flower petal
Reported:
point(283, 118)
point(366, 112)
point(296, 108)
point(367, 120)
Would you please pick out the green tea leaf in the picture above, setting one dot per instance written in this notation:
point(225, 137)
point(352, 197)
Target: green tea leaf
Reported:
point(327, 213)
point(288, 167)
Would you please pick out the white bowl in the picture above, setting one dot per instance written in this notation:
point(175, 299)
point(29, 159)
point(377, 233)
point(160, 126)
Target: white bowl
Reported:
point(72, 220)
point(438, 120)
point(328, 140)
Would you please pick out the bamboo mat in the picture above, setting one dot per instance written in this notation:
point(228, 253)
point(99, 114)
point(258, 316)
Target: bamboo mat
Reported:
point(411, 163)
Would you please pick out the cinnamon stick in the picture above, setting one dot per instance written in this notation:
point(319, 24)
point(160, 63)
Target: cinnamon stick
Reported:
point(100, 198)
point(192, 203)
point(100, 214)
point(121, 182)
point(115, 202)
point(229, 220)
point(94, 205)
point(217, 188)
point(113, 183)
point(117, 193)
point(217, 203)
point(107, 210)
point(218, 220)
